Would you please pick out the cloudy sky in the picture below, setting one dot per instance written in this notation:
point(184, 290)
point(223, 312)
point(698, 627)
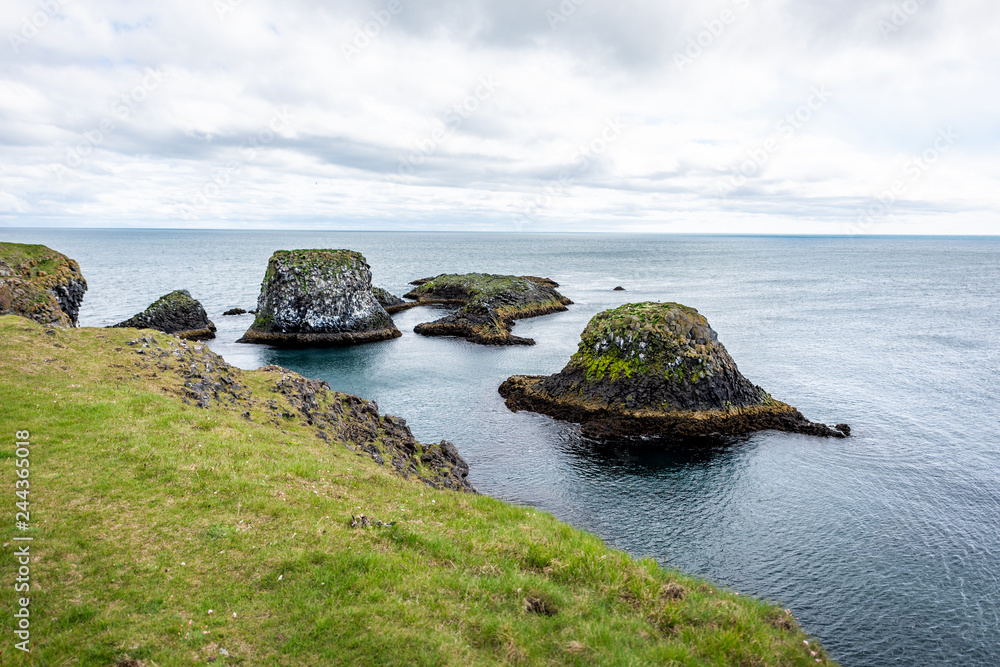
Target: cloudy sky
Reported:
point(747, 116)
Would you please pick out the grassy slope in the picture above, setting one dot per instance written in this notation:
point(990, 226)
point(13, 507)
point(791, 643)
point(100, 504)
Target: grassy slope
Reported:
point(148, 513)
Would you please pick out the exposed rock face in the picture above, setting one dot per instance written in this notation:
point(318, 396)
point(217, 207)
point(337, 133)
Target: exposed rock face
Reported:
point(391, 302)
point(656, 369)
point(318, 298)
point(41, 284)
point(205, 380)
point(489, 305)
point(175, 313)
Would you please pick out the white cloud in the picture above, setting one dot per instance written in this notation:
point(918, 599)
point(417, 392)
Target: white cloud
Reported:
point(392, 129)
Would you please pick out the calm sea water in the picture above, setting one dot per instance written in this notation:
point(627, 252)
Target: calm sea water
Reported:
point(885, 545)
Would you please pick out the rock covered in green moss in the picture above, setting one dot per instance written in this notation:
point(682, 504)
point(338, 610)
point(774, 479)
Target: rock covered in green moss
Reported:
point(488, 305)
point(318, 298)
point(41, 284)
point(656, 368)
point(176, 313)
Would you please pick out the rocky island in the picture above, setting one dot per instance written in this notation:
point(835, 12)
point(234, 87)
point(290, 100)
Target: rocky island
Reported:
point(656, 369)
point(176, 313)
point(41, 284)
point(318, 298)
point(488, 305)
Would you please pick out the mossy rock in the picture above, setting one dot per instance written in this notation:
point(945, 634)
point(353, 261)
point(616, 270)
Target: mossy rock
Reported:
point(488, 305)
point(655, 368)
point(41, 284)
point(174, 313)
point(318, 298)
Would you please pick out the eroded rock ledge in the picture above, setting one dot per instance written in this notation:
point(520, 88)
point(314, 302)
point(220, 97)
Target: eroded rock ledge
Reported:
point(656, 369)
point(488, 305)
point(41, 284)
point(318, 298)
point(205, 380)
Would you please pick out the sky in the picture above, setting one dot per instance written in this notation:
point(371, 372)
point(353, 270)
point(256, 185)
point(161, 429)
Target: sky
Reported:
point(731, 116)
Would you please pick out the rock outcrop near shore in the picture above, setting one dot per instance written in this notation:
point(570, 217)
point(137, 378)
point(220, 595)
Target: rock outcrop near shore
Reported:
point(656, 369)
point(488, 305)
point(391, 302)
point(41, 284)
point(318, 298)
point(176, 313)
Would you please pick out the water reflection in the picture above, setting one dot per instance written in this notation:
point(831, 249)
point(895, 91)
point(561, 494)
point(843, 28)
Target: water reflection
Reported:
point(650, 456)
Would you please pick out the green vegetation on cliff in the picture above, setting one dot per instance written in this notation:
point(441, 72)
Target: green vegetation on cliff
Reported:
point(39, 283)
point(175, 534)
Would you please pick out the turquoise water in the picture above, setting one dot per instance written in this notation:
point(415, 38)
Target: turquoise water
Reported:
point(885, 545)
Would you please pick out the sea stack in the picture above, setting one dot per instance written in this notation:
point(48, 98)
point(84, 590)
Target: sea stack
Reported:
point(41, 284)
point(318, 298)
point(488, 305)
point(176, 313)
point(656, 369)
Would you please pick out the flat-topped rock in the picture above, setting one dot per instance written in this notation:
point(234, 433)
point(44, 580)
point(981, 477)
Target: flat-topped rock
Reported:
point(41, 284)
point(656, 369)
point(175, 313)
point(488, 305)
point(318, 298)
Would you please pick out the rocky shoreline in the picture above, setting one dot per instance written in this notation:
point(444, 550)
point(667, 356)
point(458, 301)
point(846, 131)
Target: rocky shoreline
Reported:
point(205, 380)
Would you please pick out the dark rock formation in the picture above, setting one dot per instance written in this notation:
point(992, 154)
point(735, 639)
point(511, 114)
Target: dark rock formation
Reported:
point(619, 289)
point(41, 284)
point(234, 311)
point(207, 381)
point(656, 369)
point(391, 302)
point(488, 305)
point(175, 313)
point(318, 298)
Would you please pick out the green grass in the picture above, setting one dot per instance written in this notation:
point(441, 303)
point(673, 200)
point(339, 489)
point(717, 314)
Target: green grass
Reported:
point(148, 513)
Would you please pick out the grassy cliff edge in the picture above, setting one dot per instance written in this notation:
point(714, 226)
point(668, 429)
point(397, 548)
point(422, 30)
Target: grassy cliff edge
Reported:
point(173, 534)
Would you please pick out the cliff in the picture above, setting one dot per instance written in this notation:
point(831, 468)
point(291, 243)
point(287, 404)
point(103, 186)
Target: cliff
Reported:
point(186, 512)
point(41, 284)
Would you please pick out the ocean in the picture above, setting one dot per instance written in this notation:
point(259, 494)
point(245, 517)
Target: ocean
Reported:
point(885, 545)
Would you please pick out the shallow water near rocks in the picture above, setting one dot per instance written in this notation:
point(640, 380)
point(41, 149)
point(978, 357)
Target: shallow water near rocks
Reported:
point(885, 545)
